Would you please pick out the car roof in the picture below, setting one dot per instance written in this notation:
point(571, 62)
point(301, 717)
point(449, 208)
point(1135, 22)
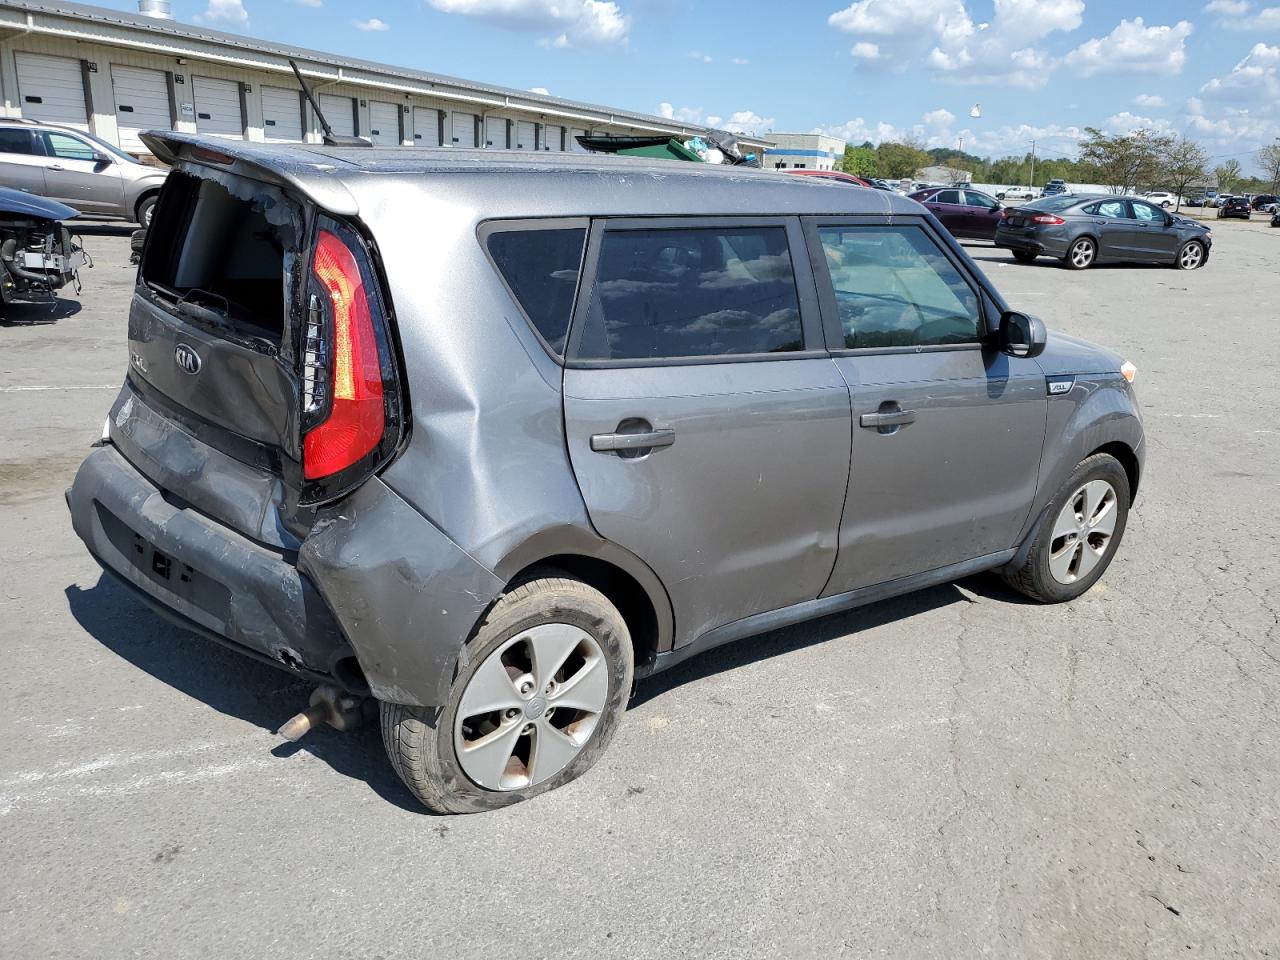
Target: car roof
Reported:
point(514, 183)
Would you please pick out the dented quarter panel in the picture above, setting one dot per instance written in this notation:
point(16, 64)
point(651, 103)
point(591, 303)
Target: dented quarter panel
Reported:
point(406, 595)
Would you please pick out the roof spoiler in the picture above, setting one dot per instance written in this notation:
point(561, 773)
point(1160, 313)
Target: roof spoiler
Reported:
point(309, 175)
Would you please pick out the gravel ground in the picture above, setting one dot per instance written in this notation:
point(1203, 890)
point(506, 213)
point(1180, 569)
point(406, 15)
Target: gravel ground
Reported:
point(951, 774)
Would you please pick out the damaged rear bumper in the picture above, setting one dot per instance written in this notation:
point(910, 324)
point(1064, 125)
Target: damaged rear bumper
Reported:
point(348, 596)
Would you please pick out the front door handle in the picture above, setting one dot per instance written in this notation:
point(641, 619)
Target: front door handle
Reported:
point(626, 442)
point(888, 418)
point(56, 166)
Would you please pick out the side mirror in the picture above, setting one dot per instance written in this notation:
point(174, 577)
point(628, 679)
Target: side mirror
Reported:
point(100, 157)
point(1022, 335)
point(1168, 220)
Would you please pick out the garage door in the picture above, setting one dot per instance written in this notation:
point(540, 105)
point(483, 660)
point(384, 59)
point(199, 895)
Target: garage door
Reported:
point(573, 145)
point(426, 127)
point(552, 137)
point(464, 129)
point(384, 124)
point(142, 103)
point(338, 111)
point(51, 89)
point(495, 133)
point(218, 107)
point(281, 115)
point(526, 134)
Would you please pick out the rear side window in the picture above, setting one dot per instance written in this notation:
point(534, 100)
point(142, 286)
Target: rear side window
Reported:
point(16, 141)
point(692, 292)
point(541, 268)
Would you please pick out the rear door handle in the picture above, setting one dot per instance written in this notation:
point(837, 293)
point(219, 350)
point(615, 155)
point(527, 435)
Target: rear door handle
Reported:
point(891, 418)
point(56, 166)
point(616, 442)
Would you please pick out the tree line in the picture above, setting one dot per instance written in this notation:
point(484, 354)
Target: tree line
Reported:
point(1140, 160)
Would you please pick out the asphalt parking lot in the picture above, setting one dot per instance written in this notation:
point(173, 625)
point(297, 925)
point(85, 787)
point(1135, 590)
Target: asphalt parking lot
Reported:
point(951, 774)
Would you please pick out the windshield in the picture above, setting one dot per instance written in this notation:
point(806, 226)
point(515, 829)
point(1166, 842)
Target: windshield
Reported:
point(1052, 204)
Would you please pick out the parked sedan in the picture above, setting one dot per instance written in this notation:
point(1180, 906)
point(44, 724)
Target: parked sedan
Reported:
point(1235, 207)
point(1265, 202)
point(839, 176)
point(965, 213)
point(1082, 231)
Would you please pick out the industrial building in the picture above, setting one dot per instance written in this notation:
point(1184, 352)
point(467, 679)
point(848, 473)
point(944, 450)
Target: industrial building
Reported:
point(116, 74)
point(803, 151)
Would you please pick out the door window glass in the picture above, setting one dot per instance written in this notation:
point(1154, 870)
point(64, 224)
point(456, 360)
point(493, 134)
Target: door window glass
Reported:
point(1113, 209)
point(692, 292)
point(895, 288)
point(975, 199)
point(1147, 213)
point(16, 141)
point(541, 267)
point(947, 196)
point(68, 147)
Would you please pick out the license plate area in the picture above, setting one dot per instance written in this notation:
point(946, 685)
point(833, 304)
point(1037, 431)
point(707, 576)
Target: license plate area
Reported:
point(1017, 222)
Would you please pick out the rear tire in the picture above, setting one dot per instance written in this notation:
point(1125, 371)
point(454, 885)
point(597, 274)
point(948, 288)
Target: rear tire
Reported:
point(446, 756)
point(1081, 254)
point(1082, 529)
point(1024, 256)
point(145, 208)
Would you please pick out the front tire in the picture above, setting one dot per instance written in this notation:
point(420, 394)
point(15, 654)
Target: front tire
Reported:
point(1078, 539)
point(1081, 254)
point(540, 690)
point(1191, 256)
point(145, 208)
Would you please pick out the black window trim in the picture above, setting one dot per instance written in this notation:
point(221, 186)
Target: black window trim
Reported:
point(826, 287)
point(806, 290)
point(34, 140)
point(486, 228)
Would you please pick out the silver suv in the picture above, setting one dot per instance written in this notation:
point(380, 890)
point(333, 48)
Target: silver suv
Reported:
point(78, 169)
point(483, 439)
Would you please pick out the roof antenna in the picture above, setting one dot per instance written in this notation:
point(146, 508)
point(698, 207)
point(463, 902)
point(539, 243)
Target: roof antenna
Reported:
point(331, 139)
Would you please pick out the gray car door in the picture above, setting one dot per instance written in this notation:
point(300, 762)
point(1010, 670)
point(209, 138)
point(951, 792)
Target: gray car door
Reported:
point(1114, 225)
point(1153, 240)
point(707, 426)
point(21, 160)
point(947, 432)
point(73, 176)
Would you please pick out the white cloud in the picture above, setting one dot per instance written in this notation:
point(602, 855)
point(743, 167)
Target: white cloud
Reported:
point(542, 90)
point(934, 130)
point(309, 3)
point(1231, 14)
point(578, 23)
point(743, 122)
point(1253, 83)
point(1229, 8)
point(373, 24)
point(1133, 47)
point(225, 11)
point(892, 33)
point(1126, 122)
point(698, 55)
point(1149, 100)
point(691, 115)
point(739, 61)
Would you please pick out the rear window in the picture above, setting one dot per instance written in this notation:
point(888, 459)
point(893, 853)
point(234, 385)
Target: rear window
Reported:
point(221, 257)
point(16, 141)
point(541, 269)
point(1051, 204)
point(692, 292)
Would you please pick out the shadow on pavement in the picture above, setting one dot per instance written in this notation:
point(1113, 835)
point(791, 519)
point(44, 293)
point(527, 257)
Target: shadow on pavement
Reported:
point(229, 683)
point(116, 228)
point(38, 312)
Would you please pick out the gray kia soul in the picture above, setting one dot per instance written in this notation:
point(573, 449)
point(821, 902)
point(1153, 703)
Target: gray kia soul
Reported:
point(481, 439)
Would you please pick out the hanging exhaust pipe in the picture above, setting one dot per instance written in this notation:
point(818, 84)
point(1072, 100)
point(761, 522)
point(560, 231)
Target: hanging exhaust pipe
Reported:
point(342, 711)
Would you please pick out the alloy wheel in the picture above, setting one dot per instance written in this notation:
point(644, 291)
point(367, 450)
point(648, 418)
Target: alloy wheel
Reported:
point(1191, 256)
point(531, 706)
point(1083, 531)
point(1082, 254)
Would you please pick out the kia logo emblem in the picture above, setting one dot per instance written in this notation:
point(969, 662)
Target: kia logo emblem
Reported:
point(187, 358)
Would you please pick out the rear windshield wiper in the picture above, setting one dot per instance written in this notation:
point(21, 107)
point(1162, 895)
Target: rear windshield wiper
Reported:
point(196, 304)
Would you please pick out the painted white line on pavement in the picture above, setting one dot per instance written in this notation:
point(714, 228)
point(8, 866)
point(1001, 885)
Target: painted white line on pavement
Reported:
point(74, 386)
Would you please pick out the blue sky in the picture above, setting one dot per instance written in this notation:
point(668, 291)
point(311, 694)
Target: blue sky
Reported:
point(871, 69)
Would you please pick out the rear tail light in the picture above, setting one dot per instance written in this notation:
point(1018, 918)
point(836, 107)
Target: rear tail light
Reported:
point(1048, 219)
point(350, 402)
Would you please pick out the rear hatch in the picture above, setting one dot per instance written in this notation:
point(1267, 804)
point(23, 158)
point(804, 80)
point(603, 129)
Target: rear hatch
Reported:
point(262, 377)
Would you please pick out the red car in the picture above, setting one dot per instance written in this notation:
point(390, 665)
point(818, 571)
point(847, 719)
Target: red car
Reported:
point(966, 213)
point(842, 177)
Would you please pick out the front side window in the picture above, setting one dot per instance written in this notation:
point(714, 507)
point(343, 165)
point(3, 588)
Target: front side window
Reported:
point(541, 268)
point(895, 288)
point(68, 147)
point(16, 141)
point(946, 196)
point(692, 292)
point(1147, 213)
point(977, 199)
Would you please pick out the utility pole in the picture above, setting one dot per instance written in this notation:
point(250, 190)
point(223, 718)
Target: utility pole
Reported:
point(1032, 178)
